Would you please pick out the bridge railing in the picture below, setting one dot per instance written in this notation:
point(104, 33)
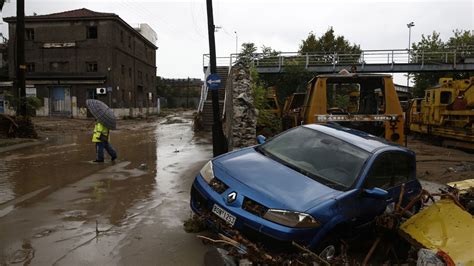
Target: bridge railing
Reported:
point(366, 57)
point(204, 91)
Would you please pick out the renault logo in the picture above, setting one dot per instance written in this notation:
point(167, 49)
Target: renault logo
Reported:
point(231, 197)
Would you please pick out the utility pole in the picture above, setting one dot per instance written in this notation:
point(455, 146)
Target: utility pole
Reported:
point(20, 57)
point(219, 145)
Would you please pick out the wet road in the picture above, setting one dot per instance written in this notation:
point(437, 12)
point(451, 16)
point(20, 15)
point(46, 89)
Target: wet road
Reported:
point(58, 208)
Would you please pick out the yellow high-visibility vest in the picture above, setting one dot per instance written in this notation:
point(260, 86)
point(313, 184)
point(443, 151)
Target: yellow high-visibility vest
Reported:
point(100, 129)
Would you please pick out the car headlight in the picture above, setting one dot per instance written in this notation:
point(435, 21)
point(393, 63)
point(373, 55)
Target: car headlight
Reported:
point(291, 218)
point(206, 172)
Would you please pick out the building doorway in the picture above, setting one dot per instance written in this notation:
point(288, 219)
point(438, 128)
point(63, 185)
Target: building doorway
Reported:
point(60, 101)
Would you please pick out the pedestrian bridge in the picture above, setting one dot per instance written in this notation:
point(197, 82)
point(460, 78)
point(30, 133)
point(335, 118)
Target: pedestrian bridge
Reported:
point(367, 61)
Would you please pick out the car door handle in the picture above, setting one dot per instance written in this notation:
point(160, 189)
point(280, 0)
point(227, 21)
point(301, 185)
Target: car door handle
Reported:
point(410, 191)
point(389, 199)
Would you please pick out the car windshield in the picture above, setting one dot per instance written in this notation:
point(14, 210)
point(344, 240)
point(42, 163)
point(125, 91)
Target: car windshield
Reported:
point(321, 157)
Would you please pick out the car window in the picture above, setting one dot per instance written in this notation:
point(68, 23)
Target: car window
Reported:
point(321, 157)
point(380, 173)
point(390, 169)
point(404, 168)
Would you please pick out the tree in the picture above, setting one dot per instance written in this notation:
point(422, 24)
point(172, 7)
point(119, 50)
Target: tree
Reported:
point(433, 43)
point(328, 43)
point(296, 77)
point(247, 52)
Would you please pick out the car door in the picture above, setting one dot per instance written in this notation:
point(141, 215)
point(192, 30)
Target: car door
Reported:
point(359, 208)
point(403, 173)
point(389, 171)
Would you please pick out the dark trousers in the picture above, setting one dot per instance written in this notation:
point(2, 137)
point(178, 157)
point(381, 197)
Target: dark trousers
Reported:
point(100, 146)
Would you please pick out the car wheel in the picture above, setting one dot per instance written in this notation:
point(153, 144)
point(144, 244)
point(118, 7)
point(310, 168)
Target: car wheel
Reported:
point(329, 249)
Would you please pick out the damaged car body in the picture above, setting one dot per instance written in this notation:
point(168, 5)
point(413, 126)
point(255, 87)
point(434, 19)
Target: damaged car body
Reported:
point(307, 185)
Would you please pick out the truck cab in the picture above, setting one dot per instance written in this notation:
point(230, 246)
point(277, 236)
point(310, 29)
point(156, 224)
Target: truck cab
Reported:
point(367, 102)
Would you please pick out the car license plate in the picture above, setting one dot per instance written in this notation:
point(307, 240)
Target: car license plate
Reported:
point(229, 218)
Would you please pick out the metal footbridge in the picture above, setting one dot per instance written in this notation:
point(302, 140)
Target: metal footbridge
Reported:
point(367, 61)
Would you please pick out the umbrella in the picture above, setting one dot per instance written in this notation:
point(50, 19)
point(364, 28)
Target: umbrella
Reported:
point(102, 113)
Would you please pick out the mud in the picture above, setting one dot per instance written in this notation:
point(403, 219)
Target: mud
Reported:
point(440, 164)
point(56, 207)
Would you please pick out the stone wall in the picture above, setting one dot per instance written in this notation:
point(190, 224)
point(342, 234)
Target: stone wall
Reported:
point(240, 114)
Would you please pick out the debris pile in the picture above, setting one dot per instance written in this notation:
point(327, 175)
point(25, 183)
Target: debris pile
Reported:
point(16, 127)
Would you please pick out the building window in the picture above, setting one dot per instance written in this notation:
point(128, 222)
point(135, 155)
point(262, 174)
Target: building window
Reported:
point(91, 66)
point(122, 69)
point(121, 36)
point(129, 72)
point(140, 77)
point(92, 32)
point(30, 67)
point(29, 34)
point(58, 67)
point(146, 77)
point(129, 41)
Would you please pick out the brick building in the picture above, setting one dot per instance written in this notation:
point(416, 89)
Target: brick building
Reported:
point(81, 54)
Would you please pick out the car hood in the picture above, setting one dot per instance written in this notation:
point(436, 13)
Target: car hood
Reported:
point(271, 183)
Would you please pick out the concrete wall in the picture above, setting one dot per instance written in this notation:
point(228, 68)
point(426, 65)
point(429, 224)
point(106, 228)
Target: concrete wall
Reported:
point(81, 112)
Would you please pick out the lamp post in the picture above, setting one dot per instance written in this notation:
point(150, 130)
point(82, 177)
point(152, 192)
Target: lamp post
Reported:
point(236, 43)
point(409, 25)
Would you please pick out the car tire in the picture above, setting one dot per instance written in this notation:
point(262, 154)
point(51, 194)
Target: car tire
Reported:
point(329, 248)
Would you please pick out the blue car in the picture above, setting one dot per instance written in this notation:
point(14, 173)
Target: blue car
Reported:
point(308, 185)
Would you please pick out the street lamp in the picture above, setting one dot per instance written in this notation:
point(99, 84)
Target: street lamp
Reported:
point(236, 43)
point(409, 25)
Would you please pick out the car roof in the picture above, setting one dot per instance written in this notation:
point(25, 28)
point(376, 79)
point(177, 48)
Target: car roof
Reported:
point(358, 138)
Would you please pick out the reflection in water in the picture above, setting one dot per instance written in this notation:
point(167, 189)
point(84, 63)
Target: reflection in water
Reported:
point(66, 159)
point(6, 187)
point(64, 199)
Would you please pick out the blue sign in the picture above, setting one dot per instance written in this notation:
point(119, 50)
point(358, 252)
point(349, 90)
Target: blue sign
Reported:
point(213, 82)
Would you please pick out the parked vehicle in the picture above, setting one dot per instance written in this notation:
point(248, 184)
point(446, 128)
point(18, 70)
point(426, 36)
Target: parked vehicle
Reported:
point(446, 112)
point(366, 102)
point(272, 101)
point(309, 184)
point(291, 109)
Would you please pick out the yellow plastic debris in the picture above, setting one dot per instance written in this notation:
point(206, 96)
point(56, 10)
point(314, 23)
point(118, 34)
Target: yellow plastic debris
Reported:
point(444, 226)
point(462, 186)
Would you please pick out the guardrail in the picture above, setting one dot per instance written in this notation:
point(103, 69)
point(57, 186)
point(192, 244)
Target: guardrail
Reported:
point(204, 91)
point(366, 57)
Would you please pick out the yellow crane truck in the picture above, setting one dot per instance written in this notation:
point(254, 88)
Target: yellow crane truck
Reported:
point(366, 102)
point(446, 112)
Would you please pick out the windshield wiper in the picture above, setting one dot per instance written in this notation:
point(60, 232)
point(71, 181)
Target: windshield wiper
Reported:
point(260, 150)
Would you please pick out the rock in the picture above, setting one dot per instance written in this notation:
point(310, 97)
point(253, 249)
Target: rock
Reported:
point(245, 262)
point(428, 257)
point(143, 167)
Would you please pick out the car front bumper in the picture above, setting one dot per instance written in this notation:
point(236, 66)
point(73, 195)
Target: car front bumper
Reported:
point(203, 198)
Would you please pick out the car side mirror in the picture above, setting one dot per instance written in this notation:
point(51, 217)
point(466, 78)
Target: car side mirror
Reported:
point(261, 139)
point(376, 193)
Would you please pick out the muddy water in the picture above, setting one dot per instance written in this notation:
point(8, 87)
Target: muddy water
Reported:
point(58, 208)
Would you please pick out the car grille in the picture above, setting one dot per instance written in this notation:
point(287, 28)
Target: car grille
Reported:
point(199, 200)
point(254, 207)
point(218, 186)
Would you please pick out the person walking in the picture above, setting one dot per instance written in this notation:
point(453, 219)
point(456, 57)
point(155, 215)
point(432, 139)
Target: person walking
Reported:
point(101, 138)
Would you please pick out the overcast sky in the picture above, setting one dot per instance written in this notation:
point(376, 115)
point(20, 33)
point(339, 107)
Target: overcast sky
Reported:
point(181, 26)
